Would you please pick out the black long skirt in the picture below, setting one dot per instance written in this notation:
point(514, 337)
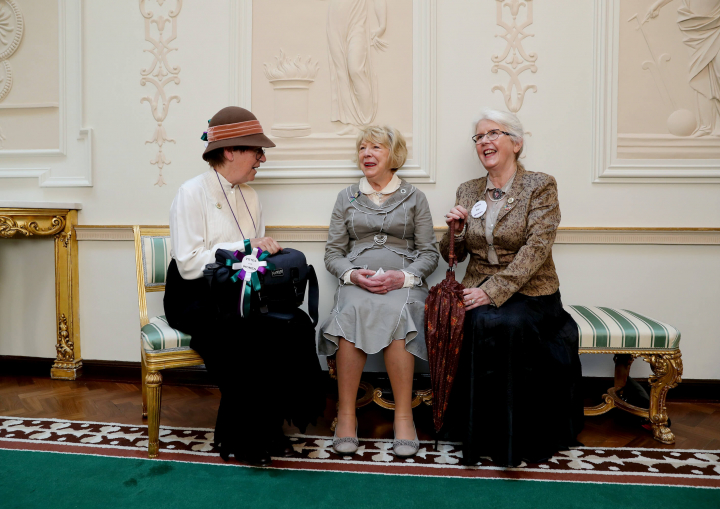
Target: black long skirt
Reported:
point(517, 393)
point(266, 368)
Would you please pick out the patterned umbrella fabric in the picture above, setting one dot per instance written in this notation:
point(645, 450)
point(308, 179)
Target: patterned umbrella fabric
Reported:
point(444, 318)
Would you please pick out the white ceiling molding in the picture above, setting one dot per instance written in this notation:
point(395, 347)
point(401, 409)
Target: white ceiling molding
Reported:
point(607, 166)
point(71, 164)
point(420, 169)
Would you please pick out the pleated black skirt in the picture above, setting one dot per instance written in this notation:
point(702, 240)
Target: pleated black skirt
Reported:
point(266, 368)
point(517, 392)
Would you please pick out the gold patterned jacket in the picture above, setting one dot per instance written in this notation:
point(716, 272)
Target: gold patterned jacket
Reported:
point(523, 237)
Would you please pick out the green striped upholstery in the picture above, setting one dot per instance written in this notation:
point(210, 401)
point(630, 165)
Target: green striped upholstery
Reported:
point(610, 328)
point(156, 258)
point(158, 335)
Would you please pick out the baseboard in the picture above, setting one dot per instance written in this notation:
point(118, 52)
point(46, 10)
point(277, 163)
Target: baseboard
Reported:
point(197, 376)
point(103, 371)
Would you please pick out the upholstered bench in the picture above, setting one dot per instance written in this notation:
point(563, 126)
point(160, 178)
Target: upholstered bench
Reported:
point(605, 330)
point(629, 335)
point(162, 347)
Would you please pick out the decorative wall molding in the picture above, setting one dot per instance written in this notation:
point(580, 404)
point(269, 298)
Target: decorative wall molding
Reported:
point(608, 167)
point(420, 169)
point(160, 73)
point(71, 164)
point(568, 235)
point(291, 79)
point(514, 60)
point(11, 32)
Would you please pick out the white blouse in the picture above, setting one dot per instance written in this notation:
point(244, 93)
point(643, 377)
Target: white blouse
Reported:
point(201, 221)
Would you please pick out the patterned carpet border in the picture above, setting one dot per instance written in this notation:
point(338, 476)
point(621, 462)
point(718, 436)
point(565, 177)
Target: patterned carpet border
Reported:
point(670, 467)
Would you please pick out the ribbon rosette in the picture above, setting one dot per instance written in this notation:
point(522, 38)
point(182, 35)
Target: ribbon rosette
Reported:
point(248, 265)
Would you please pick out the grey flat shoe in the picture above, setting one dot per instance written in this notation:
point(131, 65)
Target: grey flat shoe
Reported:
point(406, 448)
point(346, 445)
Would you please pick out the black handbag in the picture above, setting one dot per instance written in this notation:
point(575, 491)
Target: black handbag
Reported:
point(282, 288)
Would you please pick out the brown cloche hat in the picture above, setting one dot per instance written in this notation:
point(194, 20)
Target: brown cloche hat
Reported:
point(234, 126)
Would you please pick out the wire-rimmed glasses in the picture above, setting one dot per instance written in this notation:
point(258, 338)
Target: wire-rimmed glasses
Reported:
point(490, 135)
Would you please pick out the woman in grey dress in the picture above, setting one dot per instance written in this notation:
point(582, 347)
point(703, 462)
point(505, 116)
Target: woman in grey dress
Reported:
point(381, 247)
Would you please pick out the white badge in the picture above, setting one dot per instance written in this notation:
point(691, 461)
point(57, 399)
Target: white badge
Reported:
point(479, 209)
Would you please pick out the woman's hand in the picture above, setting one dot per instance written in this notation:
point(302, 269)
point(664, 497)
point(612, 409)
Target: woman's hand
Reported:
point(459, 215)
point(359, 277)
point(475, 297)
point(391, 280)
point(266, 244)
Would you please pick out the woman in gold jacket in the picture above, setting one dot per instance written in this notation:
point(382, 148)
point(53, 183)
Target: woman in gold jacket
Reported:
point(517, 393)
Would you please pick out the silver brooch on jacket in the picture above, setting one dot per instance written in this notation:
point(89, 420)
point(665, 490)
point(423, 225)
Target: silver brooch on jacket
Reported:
point(380, 239)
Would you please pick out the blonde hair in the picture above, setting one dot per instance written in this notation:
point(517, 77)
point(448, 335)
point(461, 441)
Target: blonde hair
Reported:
point(388, 137)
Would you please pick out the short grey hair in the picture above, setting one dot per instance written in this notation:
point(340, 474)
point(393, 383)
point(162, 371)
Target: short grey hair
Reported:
point(509, 122)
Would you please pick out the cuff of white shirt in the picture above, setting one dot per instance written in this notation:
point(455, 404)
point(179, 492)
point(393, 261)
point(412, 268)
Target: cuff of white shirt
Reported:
point(346, 277)
point(411, 280)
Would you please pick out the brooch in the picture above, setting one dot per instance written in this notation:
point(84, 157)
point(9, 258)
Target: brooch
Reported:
point(380, 239)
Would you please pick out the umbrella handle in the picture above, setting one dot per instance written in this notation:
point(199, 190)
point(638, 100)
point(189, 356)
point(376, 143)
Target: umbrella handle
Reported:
point(451, 255)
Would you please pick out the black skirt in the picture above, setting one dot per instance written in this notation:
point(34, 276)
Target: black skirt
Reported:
point(266, 367)
point(517, 392)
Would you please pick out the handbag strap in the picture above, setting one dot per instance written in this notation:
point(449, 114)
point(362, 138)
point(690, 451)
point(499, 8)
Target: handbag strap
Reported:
point(313, 295)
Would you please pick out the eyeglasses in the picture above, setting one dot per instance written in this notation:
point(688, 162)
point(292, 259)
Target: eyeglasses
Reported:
point(490, 135)
point(259, 153)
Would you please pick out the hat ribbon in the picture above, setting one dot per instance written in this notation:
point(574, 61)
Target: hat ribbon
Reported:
point(224, 132)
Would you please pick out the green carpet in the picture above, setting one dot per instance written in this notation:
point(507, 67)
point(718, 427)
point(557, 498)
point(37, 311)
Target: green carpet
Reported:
point(40, 479)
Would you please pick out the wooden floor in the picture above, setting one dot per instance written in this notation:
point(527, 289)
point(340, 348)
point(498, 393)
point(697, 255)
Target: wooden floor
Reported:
point(695, 424)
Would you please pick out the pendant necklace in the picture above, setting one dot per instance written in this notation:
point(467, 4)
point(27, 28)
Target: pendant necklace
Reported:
point(496, 194)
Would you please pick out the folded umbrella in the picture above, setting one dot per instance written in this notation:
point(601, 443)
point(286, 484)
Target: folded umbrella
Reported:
point(444, 319)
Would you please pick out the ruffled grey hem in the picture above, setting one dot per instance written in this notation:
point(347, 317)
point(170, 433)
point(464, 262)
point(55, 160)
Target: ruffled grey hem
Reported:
point(331, 332)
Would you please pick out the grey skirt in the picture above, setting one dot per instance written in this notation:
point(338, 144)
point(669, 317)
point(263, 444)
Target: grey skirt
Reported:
point(373, 321)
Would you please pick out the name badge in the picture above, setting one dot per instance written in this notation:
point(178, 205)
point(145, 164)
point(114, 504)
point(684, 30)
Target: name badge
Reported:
point(478, 209)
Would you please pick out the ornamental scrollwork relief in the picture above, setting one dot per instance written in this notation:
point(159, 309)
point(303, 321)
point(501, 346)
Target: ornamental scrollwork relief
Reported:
point(160, 73)
point(65, 346)
point(11, 32)
point(9, 227)
point(514, 60)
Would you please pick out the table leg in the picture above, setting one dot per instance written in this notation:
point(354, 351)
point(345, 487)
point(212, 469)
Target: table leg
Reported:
point(68, 363)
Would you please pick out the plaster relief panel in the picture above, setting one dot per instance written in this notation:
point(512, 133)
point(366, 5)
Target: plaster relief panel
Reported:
point(668, 98)
point(161, 75)
point(29, 75)
point(514, 16)
point(322, 69)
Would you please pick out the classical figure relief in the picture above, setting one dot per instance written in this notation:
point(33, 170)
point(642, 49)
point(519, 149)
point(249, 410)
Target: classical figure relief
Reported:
point(699, 23)
point(353, 79)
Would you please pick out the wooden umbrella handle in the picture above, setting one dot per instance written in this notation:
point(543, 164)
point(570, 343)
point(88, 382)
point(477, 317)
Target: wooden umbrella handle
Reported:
point(451, 254)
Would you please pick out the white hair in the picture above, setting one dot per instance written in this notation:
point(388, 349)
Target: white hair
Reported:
point(508, 121)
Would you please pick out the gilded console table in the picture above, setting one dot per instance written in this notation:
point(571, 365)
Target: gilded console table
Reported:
point(56, 220)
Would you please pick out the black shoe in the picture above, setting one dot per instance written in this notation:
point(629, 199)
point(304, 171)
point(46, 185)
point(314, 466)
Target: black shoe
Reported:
point(280, 446)
point(254, 457)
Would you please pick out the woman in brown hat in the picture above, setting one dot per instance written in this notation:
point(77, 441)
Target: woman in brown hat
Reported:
point(218, 210)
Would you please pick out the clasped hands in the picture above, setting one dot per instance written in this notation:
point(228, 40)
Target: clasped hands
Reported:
point(384, 283)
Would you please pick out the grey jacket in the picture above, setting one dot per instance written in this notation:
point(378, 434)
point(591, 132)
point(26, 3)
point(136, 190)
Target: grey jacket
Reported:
point(358, 225)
